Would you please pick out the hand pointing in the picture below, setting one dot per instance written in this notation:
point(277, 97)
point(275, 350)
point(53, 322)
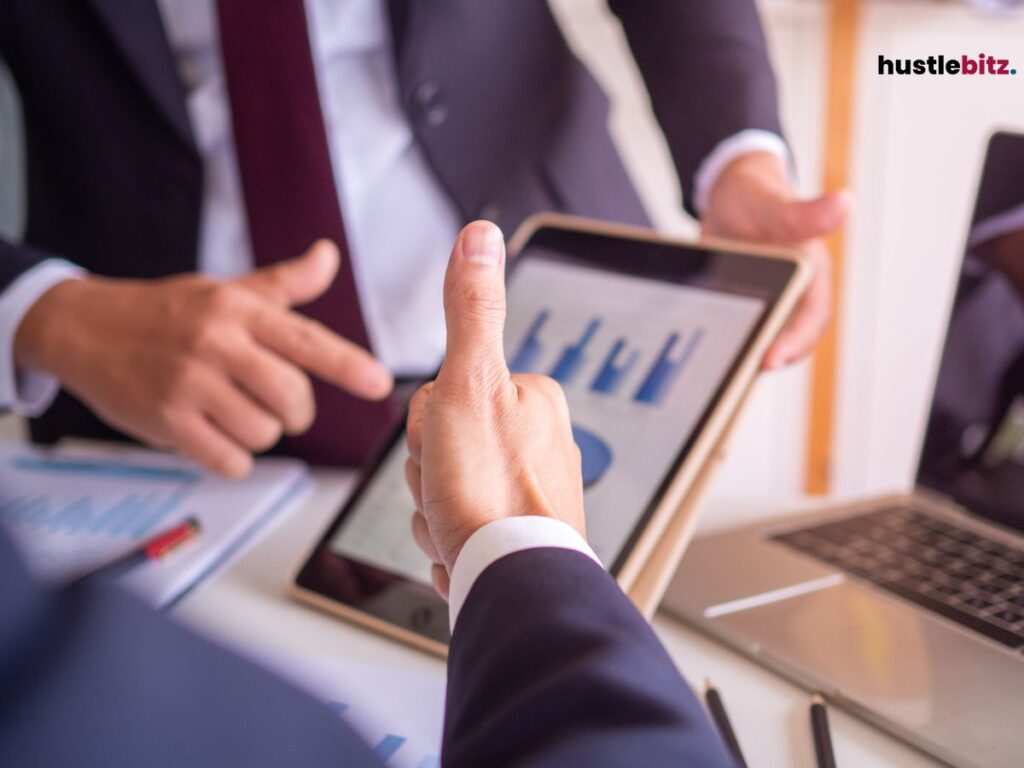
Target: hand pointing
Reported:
point(215, 369)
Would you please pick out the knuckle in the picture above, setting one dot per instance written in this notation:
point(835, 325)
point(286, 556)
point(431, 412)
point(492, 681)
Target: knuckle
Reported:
point(205, 336)
point(299, 408)
point(550, 389)
point(478, 388)
point(482, 302)
point(413, 434)
point(412, 479)
point(222, 299)
point(302, 334)
point(289, 395)
point(167, 415)
point(207, 320)
point(183, 377)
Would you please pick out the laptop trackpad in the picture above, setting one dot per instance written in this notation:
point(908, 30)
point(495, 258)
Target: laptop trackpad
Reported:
point(911, 668)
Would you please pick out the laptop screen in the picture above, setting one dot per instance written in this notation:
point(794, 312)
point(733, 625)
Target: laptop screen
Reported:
point(974, 444)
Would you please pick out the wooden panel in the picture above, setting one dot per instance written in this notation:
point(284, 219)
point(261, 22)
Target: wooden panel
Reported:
point(844, 22)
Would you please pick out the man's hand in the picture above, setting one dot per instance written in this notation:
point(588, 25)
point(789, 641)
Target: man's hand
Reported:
point(214, 369)
point(485, 444)
point(752, 200)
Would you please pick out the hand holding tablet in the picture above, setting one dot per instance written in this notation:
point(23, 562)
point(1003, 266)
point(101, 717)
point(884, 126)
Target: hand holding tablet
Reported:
point(496, 444)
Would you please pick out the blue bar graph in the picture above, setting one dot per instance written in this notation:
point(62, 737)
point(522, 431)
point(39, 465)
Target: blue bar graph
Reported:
point(133, 516)
point(390, 744)
point(525, 358)
point(665, 370)
point(612, 373)
point(338, 707)
point(572, 359)
point(95, 468)
point(387, 746)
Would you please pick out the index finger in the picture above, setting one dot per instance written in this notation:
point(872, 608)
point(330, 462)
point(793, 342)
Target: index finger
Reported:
point(323, 353)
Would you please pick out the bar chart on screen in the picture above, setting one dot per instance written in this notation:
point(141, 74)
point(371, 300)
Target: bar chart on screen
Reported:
point(666, 369)
point(639, 361)
point(618, 364)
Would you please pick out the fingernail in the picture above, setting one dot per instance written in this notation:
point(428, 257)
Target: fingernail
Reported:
point(481, 244)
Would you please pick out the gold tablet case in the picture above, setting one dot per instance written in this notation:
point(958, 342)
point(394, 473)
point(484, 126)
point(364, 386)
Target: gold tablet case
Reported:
point(656, 554)
point(654, 576)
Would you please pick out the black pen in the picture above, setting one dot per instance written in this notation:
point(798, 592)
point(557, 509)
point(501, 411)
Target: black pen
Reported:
point(822, 737)
point(716, 707)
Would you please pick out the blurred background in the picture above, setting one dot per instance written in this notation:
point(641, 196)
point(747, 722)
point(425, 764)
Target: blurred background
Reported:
point(910, 148)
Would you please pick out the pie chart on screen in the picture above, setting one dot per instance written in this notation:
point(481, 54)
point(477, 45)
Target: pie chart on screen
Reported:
point(596, 455)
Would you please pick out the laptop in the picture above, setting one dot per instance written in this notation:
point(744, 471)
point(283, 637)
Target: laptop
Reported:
point(909, 610)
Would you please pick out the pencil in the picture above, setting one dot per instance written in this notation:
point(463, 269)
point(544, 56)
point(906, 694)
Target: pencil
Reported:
point(716, 707)
point(151, 549)
point(822, 737)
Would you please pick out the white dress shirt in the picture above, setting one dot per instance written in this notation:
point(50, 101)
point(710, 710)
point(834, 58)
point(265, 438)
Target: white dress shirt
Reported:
point(399, 223)
point(499, 538)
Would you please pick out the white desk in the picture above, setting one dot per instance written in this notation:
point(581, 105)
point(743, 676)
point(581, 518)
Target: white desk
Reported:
point(247, 603)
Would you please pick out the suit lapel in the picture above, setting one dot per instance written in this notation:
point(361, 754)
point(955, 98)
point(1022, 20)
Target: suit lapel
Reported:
point(398, 16)
point(138, 33)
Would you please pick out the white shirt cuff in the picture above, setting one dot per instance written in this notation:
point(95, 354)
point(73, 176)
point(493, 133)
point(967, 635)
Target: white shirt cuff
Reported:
point(727, 150)
point(503, 537)
point(28, 393)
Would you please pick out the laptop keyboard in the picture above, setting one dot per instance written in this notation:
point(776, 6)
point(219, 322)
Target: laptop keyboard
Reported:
point(956, 572)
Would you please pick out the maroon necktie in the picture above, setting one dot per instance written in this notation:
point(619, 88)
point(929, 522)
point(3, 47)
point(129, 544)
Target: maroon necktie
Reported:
point(290, 196)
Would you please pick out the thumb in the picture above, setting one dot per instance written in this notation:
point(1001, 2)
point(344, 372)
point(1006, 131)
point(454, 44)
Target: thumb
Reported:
point(800, 220)
point(298, 280)
point(474, 305)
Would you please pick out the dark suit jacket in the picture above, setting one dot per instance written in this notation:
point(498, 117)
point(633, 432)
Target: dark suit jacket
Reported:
point(88, 677)
point(507, 117)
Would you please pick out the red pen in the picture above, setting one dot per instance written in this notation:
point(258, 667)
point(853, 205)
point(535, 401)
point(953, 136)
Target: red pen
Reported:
point(151, 549)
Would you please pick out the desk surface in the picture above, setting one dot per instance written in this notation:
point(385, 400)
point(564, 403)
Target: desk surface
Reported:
point(247, 603)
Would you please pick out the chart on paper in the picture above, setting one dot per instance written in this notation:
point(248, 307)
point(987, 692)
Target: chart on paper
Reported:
point(70, 509)
point(397, 711)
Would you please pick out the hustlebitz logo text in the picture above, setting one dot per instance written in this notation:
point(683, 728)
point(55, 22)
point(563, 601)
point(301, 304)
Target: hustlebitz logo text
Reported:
point(982, 64)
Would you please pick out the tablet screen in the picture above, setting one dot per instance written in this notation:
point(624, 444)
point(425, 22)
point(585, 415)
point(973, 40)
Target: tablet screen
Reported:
point(639, 360)
point(642, 336)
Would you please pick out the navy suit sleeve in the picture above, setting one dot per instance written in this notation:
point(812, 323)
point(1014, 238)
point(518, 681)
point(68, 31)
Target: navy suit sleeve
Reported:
point(91, 678)
point(15, 260)
point(551, 665)
point(705, 64)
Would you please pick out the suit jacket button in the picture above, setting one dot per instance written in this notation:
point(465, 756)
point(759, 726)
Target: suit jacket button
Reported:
point(430, 103)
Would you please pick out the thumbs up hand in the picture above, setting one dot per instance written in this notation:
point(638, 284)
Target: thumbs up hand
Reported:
point(485, 444)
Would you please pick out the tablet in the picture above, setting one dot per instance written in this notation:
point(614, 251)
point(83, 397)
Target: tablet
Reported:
point(654, 341)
